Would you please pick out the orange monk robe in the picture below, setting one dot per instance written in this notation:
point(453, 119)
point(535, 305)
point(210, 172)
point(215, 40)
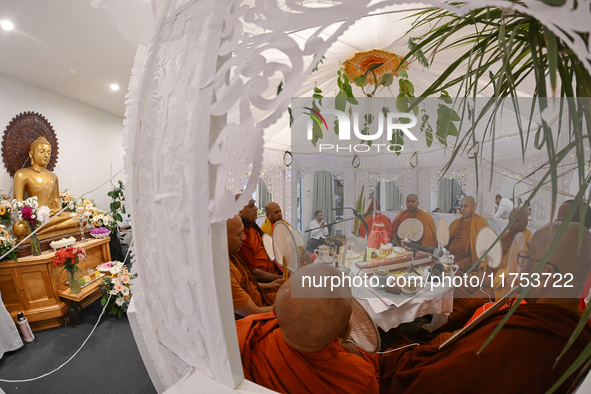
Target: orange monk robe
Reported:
point(369, 220)
point(429, 231)
point(520, 359)
point(270, 362)
point(244, 285)
point(500, 285)
point(462, 240)
point(267, 226)
point(253, 252)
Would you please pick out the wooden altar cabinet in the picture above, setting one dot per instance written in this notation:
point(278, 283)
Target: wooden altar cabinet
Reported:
point(32, 285)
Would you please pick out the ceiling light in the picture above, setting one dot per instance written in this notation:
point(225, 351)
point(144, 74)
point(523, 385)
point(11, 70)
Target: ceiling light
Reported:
point(114, 87)
point(6, 25)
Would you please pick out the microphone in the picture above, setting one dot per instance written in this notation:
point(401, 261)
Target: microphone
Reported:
point(425, 249)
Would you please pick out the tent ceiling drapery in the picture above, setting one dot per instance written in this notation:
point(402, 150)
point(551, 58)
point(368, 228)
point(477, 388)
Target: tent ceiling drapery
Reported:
point(385, 30)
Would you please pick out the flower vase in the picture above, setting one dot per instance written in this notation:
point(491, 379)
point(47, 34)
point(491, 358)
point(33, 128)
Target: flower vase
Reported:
point(74, 284)
point(35, 247)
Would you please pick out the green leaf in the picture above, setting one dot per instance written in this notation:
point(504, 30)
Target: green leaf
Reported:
point(409, 88)
point(360, 81)
point(279, 88)
point(557, 3)
point(290, 116)
point(386, 80)
point(385, 111)
point(368, 118)
point(317, 90)
point(401, 103)
point(340, 102)
point(118, 217)
point(402, 73)
point(552, 46)
point(540, 139)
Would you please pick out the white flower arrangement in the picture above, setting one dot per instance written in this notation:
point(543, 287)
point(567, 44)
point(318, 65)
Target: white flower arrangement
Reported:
point(117, 285)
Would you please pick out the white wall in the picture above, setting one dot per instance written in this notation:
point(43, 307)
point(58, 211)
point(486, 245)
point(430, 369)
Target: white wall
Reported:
point(90, 140)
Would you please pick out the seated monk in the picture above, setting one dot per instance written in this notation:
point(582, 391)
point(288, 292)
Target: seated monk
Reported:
point(37, 181)
point(412, 211)
point(253, 251)
point(520, 359)
point(562, 210)
point(374, 206)
point(248, 295)
point(462, 245)
point(296, 349)
point(273, 213)
point(520, 226)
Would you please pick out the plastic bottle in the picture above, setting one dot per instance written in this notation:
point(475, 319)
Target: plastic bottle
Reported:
point(23, 324)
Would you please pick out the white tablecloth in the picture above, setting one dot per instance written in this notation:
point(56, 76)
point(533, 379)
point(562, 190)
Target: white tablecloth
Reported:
point(10, 339)
point(435, 304)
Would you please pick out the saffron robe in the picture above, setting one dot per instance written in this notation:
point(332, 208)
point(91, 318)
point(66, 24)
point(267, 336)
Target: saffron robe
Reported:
point(429, 237)
point(253, 252)
point(270, 362)
point(462, 244)
point(518, 360)
point(267, 226)
point(245, 286)
point(500, 288)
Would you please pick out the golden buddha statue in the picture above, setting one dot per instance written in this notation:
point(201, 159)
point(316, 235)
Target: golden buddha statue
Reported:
point(36, 180)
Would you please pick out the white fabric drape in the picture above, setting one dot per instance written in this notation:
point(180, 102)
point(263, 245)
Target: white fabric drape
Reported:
point(444, 191)
point(263, 195)
point(9, 337)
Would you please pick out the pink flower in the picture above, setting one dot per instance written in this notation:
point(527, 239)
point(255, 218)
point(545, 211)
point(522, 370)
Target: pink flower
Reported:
point(118, 286)
point(27, 214)
point(123, 278)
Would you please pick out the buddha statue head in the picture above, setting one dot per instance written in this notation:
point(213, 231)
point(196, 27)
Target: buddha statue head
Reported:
point(40, 152)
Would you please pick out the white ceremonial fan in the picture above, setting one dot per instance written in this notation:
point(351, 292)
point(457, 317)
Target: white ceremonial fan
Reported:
point(363, 330)
point(412, 229)
point(268, 245)
point(299, 240)
point(485, 238)
point(284, 246)
point(517, 246)
point(442, 232)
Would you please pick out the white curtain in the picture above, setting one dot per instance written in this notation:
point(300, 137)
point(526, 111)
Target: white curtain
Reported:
point(393, 200)
point(444, 197)
point(263, 195)
point(323, 196)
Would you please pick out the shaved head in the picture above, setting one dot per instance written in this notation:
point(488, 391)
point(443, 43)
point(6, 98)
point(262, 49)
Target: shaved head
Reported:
point(273, 212)
point(412, 203)
point(468, 207)
point(567, 258)
point(310, 324)
point(236, 235)
point(575, 219)
point(521, 223)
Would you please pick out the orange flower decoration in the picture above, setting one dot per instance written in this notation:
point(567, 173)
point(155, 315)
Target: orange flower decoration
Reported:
point(2, 211)
point(360, 62)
